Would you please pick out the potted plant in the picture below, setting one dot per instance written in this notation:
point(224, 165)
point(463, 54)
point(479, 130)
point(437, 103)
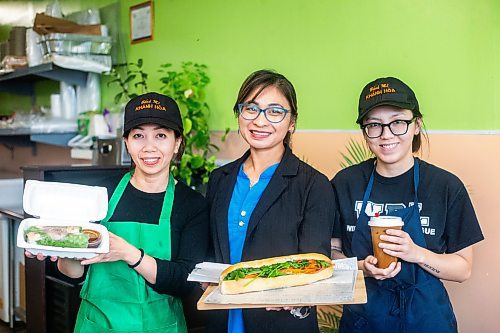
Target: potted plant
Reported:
point(187, 87)
point(126, 74)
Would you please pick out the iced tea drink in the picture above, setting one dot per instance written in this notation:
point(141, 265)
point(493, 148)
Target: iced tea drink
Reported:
point(378, 226)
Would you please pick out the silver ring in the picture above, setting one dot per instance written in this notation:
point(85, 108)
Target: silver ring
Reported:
point(301, 312)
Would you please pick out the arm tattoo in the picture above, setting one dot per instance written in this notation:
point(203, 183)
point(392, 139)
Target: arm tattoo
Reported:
point(432, 268)
point(336, 248)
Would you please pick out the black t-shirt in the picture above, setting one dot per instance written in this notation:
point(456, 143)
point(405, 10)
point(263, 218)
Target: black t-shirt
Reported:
point(138, 206)
point(189, 231)
point(448, 220)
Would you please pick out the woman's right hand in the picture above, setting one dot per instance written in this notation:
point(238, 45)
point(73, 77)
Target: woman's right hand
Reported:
point(369, 269)
point(67, 266)
point(39, 256)
point(205, 285)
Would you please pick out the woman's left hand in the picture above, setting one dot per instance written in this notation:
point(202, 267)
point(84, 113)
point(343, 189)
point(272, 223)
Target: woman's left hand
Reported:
point(119, 249)
point(300, 312)
point(398, 243)
point(286, 308)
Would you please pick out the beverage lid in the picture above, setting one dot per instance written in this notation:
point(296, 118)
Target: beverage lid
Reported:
point(385, 221)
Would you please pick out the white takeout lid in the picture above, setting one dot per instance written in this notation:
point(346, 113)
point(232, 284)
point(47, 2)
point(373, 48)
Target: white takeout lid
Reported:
point(385, 221)
point(65, 203)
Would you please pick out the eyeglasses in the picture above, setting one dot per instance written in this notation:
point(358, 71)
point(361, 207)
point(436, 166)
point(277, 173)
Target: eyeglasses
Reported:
point(397, 127)
point(273, 114)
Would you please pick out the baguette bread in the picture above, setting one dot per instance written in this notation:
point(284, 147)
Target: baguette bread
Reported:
point(275, 272)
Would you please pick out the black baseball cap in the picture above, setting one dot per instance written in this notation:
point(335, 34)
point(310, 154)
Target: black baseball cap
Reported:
point(153, 108)
point(386, 91)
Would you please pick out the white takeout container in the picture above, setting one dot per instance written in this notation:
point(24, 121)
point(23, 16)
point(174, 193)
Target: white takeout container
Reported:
point(63, 204)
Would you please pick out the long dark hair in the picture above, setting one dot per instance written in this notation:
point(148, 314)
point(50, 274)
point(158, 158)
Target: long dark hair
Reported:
point(262, 79)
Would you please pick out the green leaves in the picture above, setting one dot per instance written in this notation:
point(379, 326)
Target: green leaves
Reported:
point(197, 161)
point(187, 87)
point(188, 125)
point(356, 153)
point(328, 322)
point(126, 75)
point(273, 270)
point(118, 97)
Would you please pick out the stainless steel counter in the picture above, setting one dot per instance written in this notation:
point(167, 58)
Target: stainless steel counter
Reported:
point(11, 212)
point(12, 216)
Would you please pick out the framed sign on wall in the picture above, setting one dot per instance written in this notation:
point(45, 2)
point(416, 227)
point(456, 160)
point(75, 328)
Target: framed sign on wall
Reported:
point(141, 22)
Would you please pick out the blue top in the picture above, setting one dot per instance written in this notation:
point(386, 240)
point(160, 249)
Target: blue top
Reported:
point(243, 202)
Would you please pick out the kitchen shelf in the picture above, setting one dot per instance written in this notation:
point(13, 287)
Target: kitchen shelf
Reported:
point(21, 81)
point(24, 137)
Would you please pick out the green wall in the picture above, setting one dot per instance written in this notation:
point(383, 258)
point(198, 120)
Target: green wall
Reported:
point(446, 50)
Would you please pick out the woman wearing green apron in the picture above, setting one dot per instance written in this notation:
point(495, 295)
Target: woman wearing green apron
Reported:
point(153, 223)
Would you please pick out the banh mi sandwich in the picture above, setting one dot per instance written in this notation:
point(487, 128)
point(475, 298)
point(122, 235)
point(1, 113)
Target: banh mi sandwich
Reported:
point(276, 272)
point(64, 236)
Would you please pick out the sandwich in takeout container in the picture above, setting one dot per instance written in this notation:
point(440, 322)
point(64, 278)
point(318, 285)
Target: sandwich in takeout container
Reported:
point(62, 224)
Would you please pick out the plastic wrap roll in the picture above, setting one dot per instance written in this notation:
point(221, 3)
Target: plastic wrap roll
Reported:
point(33, 48)
point(55, 106)
point(88, 98)
point(68, 100)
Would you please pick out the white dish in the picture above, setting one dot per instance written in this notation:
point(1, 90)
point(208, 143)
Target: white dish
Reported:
point(63, 204)
point(63, 252)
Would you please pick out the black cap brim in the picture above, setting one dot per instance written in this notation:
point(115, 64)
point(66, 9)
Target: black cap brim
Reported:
point(152, 120)
point(407, 106)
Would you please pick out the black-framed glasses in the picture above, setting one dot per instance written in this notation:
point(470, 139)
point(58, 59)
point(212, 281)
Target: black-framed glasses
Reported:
point(397, 127)
point(273, 114)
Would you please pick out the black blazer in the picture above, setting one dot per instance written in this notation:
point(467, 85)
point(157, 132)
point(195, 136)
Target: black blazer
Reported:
point(294, 215)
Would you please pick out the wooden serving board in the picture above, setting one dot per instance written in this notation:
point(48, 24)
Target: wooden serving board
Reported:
point(359, 298)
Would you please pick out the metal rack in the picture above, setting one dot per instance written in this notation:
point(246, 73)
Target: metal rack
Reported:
point(25, 137)
point(22, 81)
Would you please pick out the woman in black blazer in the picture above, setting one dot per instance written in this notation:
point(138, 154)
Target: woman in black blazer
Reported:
point(268, 202)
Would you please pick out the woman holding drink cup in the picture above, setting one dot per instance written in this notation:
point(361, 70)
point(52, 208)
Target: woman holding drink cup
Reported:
point(435, 227)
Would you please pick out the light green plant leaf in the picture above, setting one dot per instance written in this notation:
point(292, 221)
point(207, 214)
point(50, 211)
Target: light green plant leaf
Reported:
point(188, 125)
point(356, 153)
point(328, 322)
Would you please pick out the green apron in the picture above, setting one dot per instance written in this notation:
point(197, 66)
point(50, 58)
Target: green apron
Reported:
point(115, 298)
